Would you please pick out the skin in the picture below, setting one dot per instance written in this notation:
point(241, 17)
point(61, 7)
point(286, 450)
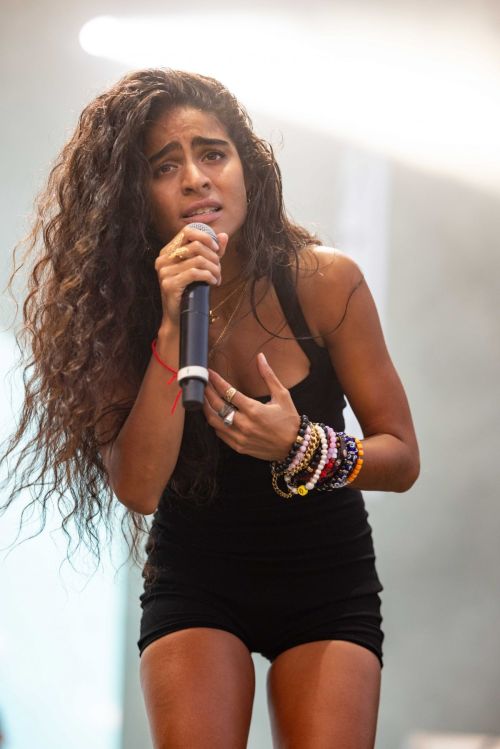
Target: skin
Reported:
point(185, 172)
point(321, 694)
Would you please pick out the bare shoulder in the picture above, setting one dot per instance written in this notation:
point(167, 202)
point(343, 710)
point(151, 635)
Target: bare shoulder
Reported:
point(326, 280)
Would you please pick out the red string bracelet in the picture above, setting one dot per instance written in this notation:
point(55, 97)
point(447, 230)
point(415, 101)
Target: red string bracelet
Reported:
point(169, 369)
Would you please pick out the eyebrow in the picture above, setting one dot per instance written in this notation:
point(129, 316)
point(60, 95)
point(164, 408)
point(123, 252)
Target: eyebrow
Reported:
point(197, 141)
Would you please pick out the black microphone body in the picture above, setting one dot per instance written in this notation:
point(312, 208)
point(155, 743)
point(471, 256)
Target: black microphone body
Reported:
point(193, 354)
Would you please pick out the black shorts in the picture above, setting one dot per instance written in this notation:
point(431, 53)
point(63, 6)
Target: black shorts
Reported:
point(276, 574)
point(264, 626)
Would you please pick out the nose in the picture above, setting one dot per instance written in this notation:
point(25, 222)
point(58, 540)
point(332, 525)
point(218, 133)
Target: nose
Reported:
point(194, 178)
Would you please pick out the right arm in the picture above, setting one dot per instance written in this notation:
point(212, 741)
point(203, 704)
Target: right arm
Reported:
point(142, 457)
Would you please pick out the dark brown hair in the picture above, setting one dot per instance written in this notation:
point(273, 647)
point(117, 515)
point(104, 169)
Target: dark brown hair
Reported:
point(93, 304)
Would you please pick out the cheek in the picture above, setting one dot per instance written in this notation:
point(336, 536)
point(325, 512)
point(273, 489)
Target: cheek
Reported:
point(241, 192)
point(162, 217)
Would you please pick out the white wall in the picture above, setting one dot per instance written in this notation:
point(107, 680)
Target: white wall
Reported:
point(61, 629)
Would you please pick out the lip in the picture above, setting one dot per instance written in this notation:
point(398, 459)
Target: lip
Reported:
point(202, 218)
point(208, 204)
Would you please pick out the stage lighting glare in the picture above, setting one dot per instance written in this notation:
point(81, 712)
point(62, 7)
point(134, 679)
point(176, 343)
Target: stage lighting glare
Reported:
point(429, 101)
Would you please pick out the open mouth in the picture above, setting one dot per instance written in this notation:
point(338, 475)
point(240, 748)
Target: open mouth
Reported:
point(201, 212)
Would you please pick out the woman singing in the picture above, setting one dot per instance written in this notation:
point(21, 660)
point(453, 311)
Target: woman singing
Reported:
point(259, 540)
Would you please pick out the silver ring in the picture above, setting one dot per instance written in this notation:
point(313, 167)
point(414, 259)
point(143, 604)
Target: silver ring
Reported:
point(229, 418)
point(225, 410)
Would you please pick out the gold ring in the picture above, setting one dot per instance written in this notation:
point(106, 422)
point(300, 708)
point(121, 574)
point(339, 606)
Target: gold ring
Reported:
point(229, 394)
point(177, 242)
point(179, 254)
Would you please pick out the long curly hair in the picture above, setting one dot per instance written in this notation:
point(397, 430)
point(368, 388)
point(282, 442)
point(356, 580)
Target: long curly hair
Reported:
point(93, 303)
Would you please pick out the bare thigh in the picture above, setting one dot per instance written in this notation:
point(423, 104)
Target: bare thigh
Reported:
point(324, 695)
point(198, 686)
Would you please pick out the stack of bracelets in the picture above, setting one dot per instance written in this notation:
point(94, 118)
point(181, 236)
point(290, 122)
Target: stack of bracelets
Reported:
point(319, 459)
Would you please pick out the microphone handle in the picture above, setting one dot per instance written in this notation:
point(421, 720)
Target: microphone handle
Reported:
point(193, 354)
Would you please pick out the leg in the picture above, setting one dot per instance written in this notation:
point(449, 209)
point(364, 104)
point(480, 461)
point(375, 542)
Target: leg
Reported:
point(198, 686)
point(324, 695)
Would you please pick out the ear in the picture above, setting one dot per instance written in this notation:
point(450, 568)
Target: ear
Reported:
point(249, 180)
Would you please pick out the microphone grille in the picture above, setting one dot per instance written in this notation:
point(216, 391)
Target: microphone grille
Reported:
point(204, 227)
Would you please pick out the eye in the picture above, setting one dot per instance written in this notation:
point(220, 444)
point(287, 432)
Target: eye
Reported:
point(214, 155)
point(165, 168)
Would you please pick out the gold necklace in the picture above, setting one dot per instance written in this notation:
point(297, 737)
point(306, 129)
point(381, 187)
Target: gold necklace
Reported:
point(231, 317)
point(213, 317)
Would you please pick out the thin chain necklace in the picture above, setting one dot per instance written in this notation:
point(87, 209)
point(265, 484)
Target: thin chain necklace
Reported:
point(212, 316)
point(231, 318)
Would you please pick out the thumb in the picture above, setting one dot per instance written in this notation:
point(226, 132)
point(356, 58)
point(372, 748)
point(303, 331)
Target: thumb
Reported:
point(267, 374)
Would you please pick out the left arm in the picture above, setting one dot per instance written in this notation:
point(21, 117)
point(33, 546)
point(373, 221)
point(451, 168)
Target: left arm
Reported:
point(369, 380)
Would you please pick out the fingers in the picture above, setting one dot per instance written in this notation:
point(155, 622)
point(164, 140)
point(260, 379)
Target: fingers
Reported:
point(195, 245)
point(188, 235)
point(215, 404)
point(263, 431)
point(218, 386)
point(276, 388)
point(191, 256)
point(177, 251)
point(242, 402)
point(229, 433)
point(220, 397)
point(185, 264)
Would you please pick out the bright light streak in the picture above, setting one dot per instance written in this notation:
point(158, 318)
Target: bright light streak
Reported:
point(430, 99)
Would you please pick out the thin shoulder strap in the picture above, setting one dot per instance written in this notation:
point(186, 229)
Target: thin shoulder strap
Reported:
point(287, 296)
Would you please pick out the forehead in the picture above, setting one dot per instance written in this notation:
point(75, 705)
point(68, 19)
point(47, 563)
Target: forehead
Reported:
point(181, 125)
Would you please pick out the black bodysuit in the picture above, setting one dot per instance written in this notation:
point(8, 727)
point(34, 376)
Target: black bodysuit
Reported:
point(275, 572)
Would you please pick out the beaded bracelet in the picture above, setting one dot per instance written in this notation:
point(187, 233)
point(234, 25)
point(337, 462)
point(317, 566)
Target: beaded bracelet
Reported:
point(322, 460)
point(298, 457)
point(307, 471)
point(314, 441)
point(348, 452)
point(299, 486)
point(359, 463)
point(332, 455)
point(308, 454)
point(296, 447)
point(330, 465)
point(323, 451)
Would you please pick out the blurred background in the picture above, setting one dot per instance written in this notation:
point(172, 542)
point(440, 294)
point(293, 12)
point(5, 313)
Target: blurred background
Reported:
point(385, 115)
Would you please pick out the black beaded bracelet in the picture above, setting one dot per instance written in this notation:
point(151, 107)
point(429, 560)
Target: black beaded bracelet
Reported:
point(348, 455)
point(283, 465)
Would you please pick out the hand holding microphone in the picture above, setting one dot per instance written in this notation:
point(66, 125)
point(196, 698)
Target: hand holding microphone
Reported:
point(193, 354)
point(187, 266)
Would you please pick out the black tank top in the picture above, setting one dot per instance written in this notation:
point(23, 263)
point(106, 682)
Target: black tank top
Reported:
point(248, 524)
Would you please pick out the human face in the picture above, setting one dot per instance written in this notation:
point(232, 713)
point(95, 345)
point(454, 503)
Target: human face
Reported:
point(197, 174)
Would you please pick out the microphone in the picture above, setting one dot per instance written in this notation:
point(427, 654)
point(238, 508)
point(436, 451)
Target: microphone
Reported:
point(193, 356)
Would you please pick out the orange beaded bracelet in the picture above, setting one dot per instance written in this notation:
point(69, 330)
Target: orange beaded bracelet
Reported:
point(359, 462)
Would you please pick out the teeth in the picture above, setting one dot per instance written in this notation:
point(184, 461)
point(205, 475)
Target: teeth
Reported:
point(202, 210)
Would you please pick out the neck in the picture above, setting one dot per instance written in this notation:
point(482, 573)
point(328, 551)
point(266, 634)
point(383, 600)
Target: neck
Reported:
point(231, 266)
